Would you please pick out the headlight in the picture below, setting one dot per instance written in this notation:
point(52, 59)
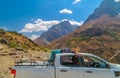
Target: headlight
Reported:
point(117, 73)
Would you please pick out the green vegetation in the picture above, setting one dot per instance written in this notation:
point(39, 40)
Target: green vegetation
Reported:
point(13, 44)
point(40, 48)
point(2, 32)
point(46, 49)
point(16, 33)
point(72, 42)
point(83, 38)
point(113, 34)
point(24, 46)
point(33, 48)
point(86, 38)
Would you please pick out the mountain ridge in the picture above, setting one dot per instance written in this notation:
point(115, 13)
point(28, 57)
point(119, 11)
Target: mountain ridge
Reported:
point(100, 37)
point(107, 7)
point(56, 31)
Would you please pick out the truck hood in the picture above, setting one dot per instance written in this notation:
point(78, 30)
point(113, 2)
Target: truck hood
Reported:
point(116, 66)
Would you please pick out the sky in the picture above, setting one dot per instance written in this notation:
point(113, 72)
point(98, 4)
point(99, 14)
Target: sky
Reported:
point(33, 17)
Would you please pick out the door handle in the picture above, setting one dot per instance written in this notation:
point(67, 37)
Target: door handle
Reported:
point(63, 70)
point(89, 72)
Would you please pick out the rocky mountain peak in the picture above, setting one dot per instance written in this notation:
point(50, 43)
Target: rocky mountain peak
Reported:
point(57, 31)
point(108, 7)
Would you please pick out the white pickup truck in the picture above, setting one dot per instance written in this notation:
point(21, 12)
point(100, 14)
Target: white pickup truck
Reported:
point(71, 65)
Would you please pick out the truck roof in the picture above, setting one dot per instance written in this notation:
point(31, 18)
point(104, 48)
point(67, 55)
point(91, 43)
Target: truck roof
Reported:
point(75, 53)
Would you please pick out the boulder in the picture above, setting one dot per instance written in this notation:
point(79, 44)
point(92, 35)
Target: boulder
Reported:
point(3, 41)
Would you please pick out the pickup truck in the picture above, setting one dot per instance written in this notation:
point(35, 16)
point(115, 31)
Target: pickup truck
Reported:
point(70, 65)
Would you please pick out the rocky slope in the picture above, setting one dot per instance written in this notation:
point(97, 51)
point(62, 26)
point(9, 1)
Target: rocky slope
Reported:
point(109, 7)
point(100, 37)
point(15, 40)
point(15, 46)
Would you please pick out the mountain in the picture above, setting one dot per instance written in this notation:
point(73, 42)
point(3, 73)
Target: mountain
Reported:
point(108, 7)
point(56, 31)
point(40, 41)
point(100, 37)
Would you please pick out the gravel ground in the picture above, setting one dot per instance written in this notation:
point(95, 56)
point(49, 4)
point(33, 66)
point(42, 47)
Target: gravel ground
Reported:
point(7, 61)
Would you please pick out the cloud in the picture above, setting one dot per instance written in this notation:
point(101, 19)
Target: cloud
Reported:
point(41, 25)
point(65, 11)
point(33, 37)
point(38, 25)
point(73, 22)
point(117, 0)
point(76, 1)
point(35, 29)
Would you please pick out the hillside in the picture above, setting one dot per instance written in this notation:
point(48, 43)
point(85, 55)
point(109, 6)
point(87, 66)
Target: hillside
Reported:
point(14, 47)
point(100, 34)
point(100, 37)
point(15, 40)
point(109, 7)
point(12, 40)
point(56, 31)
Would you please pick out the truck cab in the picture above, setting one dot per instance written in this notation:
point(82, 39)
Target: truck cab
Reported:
point(82, 65)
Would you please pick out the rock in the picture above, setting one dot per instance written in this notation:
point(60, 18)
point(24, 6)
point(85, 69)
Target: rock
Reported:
point(1, 47)
point(19, 49)
point(12, 53)
point(3, 41)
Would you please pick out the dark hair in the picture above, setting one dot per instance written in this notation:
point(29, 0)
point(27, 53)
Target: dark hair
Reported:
point(75, 59)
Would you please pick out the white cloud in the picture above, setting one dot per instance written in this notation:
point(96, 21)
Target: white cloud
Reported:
point(65, 11)
point(72, 22)
point(76, 1)
point(35, 29)
point(33, 37)
point(117, 0)
point(39, 25)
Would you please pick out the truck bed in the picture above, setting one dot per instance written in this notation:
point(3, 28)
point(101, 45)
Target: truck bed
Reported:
point(34, 71)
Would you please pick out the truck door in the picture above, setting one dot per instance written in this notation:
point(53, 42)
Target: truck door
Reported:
point(96, 68)
point(70, 67)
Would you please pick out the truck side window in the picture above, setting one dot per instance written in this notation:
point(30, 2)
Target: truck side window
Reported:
point(94, 62)
point(70, 60)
